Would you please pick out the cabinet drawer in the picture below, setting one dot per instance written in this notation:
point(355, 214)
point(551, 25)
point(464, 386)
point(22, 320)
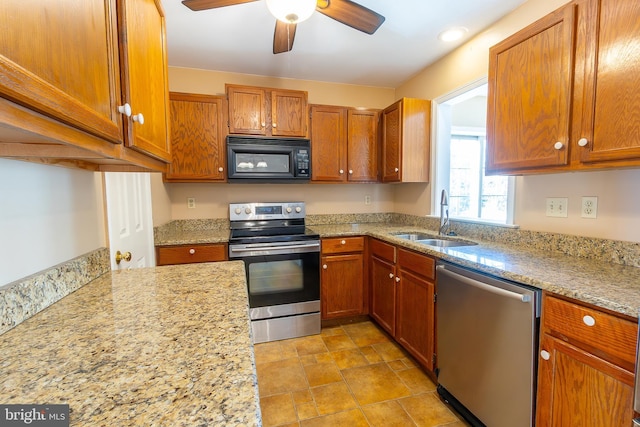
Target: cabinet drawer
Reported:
point(383, 250)
point(187, 254)
point(342, 245)
point(419, 264)
point(605, 334)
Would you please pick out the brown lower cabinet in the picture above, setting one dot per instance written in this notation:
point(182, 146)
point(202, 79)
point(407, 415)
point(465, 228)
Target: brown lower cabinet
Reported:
point(585, 366)
point(187, 254)
point(342, 283)
point(402, 298)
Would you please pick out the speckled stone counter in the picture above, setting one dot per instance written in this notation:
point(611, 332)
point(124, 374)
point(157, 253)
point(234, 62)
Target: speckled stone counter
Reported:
point(605, 284)
point(165, 346)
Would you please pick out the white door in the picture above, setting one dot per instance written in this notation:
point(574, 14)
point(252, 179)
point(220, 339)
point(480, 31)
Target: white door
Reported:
point(128, 200)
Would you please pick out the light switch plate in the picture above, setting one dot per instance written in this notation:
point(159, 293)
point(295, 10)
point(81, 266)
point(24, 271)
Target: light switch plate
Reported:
point(557, 207)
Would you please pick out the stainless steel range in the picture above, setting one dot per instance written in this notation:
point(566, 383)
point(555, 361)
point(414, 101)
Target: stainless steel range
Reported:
point(282, 262)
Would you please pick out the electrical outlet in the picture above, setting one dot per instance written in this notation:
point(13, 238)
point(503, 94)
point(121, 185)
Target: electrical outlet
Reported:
point(367, 200)
point(557, 207)
point(191, 202)
point(589, 207)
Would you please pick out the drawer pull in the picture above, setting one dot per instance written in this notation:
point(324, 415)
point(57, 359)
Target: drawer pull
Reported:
point(397, 279)
point(344, 242)
point(588, 320)
point(545, 355)
point(192, 251)
point(324, 266)
point(390, 275)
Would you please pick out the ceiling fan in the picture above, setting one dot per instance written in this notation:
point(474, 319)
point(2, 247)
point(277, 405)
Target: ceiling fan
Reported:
point(344, 11)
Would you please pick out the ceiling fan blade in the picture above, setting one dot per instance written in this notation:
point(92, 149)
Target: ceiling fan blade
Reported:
point(351, 14)
point(212, 4)
point(283, 37)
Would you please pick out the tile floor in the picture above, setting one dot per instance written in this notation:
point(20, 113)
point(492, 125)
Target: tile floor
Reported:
point(349, 375)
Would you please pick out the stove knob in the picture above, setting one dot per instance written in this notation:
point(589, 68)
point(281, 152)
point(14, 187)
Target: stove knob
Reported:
point(298, 209)
point(289, 209)
point(247, 210)
point(238, 211)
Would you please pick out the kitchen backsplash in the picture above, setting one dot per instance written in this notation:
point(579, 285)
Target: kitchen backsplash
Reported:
point(23, 298)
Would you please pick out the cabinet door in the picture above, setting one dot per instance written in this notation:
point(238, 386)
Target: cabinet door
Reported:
point(576, 388)
point(391, 142)
point(328, 143)
point(60, 58)
point(145, 77)
point(529, 97)
point(415, 317)
point(197, 138)
point(247, 110)
point(383, 294)
point(342, 285)
point(289, 113)
point(362, 145)
point(612, 87)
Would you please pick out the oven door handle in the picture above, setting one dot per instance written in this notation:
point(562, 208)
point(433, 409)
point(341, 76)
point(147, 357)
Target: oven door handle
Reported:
point(250, 248)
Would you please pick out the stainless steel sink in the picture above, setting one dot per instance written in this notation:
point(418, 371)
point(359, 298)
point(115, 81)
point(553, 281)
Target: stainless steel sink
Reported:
point(413, 236)
point(442, 243)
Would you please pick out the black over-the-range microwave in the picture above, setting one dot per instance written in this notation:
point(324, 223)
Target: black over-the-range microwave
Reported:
point(268, 160)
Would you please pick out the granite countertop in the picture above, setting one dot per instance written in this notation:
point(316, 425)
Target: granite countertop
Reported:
point(164, 346)
point(192, 237)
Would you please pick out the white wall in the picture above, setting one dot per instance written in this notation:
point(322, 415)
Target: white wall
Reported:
point(48, 215)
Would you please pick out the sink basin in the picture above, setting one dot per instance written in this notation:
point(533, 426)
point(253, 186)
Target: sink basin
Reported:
point(414, 236)
point(442, 243)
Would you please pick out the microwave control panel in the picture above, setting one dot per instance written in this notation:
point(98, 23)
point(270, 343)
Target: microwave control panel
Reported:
point(302, 162)
point(265, 211)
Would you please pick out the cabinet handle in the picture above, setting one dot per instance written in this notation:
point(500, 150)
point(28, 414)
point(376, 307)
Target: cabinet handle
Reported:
point(588, 320)
point(390, 275)
point(274, 125)
point(545, 355)
point(324, 266)
point(125, 109)
point(350, 171)
point(192, 251)
point(343, 242)
point(397, 279)
point(396, 169)
point(263, 124)
point(341, 171)
point(138, 118)
point(582, 142)
point(220, 169)
point(558, 145)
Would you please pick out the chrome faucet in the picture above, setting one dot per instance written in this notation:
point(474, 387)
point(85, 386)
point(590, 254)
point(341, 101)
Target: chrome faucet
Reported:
point(444, 214)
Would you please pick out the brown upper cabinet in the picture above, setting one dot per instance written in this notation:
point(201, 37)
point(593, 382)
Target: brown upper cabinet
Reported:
point(198, 130)
point(564, 92)
point(344, 144)
point(267, 112)
point(406, 136)
point(84, 84)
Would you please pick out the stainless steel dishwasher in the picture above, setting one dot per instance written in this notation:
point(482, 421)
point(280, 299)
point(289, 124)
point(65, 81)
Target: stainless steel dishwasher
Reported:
point(487, 340)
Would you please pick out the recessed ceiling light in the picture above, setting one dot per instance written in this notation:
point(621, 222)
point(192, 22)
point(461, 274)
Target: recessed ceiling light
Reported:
point(453, 34)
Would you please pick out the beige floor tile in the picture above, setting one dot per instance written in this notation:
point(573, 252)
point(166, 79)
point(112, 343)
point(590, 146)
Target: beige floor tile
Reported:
point(309, 345)
point(277, 410)
point(290, 425)
point(427, 410)
point(322, 373)
point(273, 351)
point(306, 410)
point(389, 351)
point(417, 381)
point(323, 358)
point(333, 398)
point(370, 354)
point(309, 359)
point(338, 342)
point(334, 330)
point(352, 418)
point(349, 358)
point(302, 396)
point(374, 383)
point(280, 377)
point(387, 414)
point(365, 333)
point(397, 365)
point(409, 362)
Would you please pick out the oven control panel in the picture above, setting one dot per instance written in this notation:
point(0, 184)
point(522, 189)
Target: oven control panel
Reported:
point(265, 211)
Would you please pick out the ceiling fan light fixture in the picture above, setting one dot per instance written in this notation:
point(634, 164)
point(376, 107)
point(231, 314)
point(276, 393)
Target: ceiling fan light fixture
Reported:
point(291, 11)
point(453, 34)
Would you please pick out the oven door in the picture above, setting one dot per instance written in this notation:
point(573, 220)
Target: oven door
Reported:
point(280, 273)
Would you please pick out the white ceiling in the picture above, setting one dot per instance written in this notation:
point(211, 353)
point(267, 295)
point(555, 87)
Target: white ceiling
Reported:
point(239, 39)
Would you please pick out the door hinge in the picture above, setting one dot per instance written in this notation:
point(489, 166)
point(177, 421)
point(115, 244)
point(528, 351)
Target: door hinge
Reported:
point(433, 359)
point(435, 298)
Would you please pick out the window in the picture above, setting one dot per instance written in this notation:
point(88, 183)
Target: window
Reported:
point(460, 160)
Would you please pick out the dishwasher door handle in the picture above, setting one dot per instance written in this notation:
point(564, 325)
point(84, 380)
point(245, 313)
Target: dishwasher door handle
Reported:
point(484, 286)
